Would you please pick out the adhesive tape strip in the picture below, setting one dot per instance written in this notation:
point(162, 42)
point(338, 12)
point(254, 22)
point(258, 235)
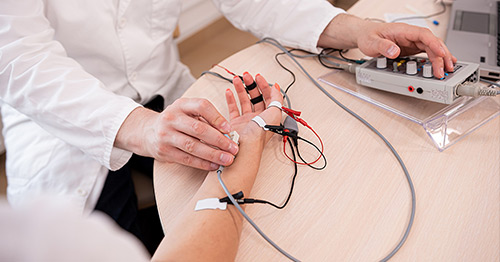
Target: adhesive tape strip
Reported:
point(210, 203)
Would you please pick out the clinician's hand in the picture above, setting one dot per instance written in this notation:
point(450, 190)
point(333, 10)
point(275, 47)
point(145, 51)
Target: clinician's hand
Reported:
point(188, 132)
point(395, 39)
point(387, 39)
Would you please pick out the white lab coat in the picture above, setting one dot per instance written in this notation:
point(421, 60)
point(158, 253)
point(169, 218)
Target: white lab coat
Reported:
point(51, 230)
point(71, 72)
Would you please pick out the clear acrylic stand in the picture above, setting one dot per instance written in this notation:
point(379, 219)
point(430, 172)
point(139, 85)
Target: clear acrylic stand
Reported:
point(445, 124)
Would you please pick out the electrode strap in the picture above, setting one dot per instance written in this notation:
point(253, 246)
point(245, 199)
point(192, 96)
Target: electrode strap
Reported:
point(251, 86)
point(260, 122)
point(257, 99)
point(276, 104)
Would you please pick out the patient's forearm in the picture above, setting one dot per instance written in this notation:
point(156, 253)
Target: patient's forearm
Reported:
point(213, 235)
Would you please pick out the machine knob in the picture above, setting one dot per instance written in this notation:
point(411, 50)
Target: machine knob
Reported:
point(381, 62)
point(427, 70)
point(411, 68)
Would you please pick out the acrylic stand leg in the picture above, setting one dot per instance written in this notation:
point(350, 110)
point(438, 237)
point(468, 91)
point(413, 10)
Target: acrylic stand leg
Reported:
point(445, 124)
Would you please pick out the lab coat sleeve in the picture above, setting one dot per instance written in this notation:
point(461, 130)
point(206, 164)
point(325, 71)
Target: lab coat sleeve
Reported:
point(294, 23)
point(40, 81)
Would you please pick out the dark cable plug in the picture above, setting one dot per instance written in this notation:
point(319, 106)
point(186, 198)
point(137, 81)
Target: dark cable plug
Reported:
point(290, 125)
point(236, 196)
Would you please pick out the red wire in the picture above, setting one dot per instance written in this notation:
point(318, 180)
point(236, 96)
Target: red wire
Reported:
point(227, 70)
point(284, 151)
point(320, 141)
point(310, 163)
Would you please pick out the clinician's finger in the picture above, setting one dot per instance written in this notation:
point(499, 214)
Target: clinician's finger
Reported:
point(449, 60)
point(417, 35)
point(437, 64)
point(176, 155)
point(388, 48)
point(201, 107)
point(205, 132)
point(186, 121)
point(196, 149)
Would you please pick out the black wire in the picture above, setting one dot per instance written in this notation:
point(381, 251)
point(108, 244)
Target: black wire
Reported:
point(322, 55)
point(261, 201)
point(291, 187)
point(341, 53)
point(325, 53)
point(320, 59)
point(288, 70)
point(312, 144)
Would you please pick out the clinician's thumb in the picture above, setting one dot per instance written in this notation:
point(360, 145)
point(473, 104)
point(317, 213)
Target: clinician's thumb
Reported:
point(388, 48)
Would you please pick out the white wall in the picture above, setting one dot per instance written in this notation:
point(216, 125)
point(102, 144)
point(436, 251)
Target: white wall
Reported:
point(196, 14)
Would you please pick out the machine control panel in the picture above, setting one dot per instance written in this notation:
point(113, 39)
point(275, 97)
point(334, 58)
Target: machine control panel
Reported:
point(412, 76)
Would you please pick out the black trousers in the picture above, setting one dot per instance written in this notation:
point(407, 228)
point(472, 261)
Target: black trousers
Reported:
point(118, 199)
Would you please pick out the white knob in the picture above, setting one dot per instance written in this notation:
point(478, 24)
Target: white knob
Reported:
point(411, 68)
point(427, 70)
point(381, 62)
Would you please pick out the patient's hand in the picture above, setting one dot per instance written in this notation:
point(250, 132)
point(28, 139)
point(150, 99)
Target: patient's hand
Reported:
point(242, 122)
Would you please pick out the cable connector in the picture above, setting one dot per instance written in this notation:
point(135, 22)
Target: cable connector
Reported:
point(474, 90)
point(236, 196)
point(295, 115)
point(351, 68)
point(291, 112)
point(290, 125)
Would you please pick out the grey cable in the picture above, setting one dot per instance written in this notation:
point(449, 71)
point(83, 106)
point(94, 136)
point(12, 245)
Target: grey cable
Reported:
point(217, 75)
point(332, 63)
point(235, 203)
point(308, 55)
point(475, 90)
point(393, 150)
point(490, 82)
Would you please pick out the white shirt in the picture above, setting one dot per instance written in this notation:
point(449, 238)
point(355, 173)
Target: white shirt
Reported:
point(71, 71)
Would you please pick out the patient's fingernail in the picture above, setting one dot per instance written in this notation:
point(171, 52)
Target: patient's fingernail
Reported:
point(246, 73)
point(277, 86)
point(214, 166)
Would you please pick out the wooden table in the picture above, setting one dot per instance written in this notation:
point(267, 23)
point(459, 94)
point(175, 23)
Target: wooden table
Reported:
point(358, 207)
